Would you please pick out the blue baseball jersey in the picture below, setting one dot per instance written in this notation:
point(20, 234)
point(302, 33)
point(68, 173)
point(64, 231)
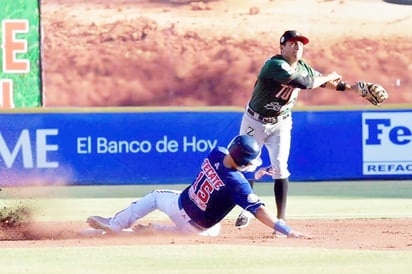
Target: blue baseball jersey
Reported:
point(216, 191)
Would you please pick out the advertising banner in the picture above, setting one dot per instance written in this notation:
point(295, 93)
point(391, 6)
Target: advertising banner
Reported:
point(387, 143)
point(351, 145)
point(109, 148)
point(20, 75)
point(168, 147)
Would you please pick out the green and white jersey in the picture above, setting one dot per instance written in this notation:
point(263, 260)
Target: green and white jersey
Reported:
point(272, 94)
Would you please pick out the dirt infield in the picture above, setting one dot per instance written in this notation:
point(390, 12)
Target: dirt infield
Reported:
point(359, 234)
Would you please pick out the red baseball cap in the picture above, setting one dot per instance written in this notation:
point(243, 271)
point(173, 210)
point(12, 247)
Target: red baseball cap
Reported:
point(293, 34)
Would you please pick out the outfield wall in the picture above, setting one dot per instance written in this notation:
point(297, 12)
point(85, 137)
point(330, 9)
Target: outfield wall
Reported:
point(151, 146)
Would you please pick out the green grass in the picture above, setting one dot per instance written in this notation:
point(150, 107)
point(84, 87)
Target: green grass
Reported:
point(357, 199)
point(202, 258)
point(27, 90)
point(362, 199)
point(354, 189)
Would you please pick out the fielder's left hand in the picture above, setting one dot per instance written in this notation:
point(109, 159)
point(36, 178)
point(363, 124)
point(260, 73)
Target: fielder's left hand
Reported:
point(374, 93)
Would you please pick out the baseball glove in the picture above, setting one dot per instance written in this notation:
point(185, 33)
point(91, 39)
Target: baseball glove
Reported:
point(374, 93)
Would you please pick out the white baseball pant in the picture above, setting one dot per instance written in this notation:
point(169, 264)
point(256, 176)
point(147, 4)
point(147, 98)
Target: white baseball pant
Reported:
point(167, 201)
point(275, 137)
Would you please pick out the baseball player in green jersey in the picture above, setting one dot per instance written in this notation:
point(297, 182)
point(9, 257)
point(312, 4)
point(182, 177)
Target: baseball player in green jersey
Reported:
point(268, 116)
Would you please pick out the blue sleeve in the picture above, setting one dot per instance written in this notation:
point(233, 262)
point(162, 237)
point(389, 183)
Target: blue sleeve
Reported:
point(245, 198)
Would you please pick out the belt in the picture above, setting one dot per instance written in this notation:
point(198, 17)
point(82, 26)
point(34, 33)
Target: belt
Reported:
point(267, 120)
point(191, 222)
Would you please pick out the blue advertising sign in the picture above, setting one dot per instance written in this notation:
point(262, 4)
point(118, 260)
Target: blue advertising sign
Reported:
point(350, 145)
point(110, 148)
point(387, 143)
point(168, 147)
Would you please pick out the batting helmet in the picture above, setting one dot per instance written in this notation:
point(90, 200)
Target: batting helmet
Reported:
point(244, 150)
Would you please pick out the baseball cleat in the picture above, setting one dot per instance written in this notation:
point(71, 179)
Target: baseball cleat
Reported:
point(98, 222)
point(243, 219)
point(91, 232)
point(144, 229)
